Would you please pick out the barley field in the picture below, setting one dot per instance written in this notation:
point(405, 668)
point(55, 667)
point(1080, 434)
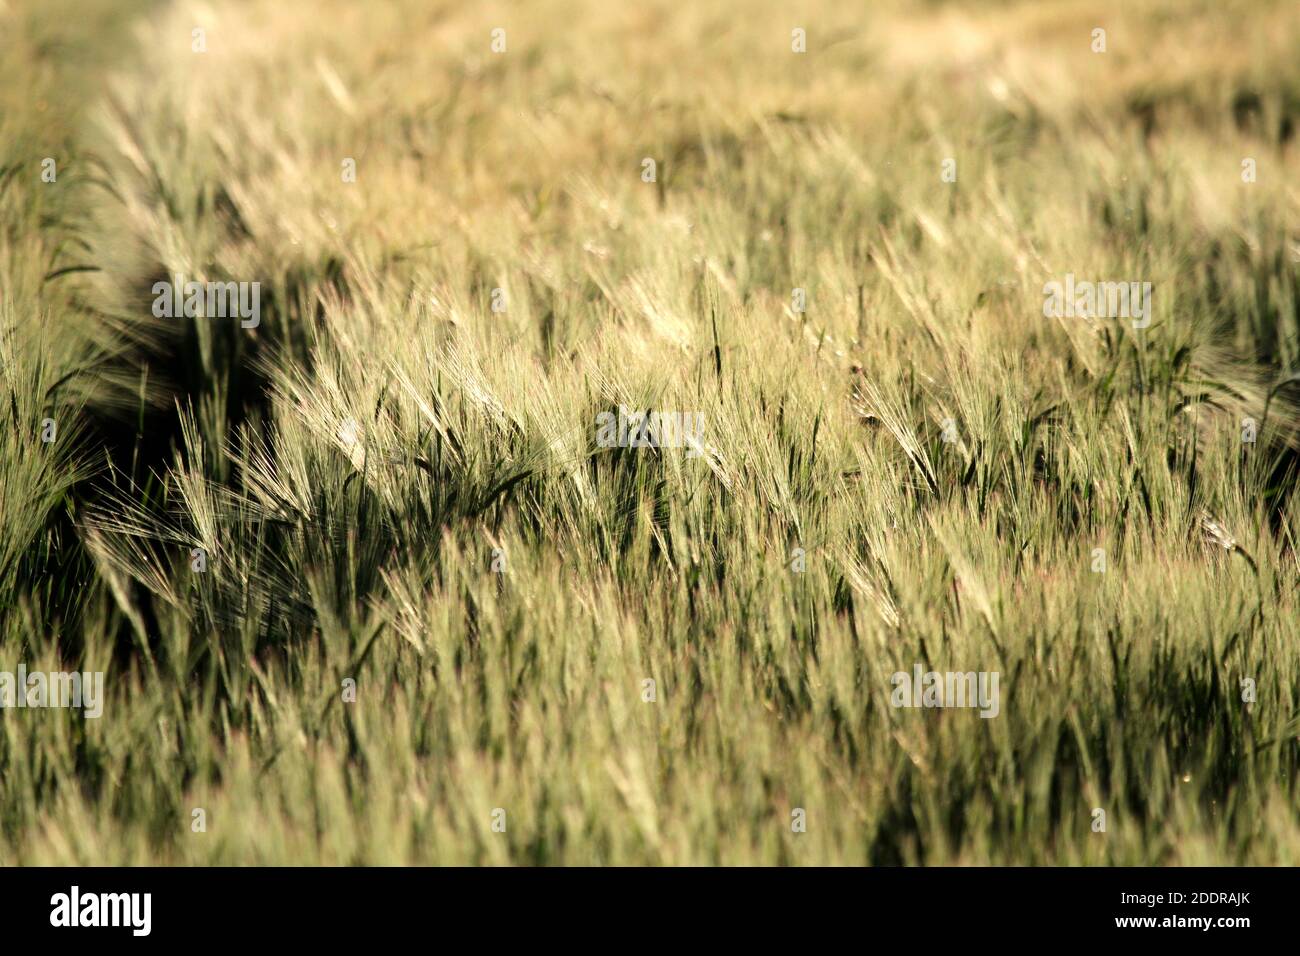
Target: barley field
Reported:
point(380, 564)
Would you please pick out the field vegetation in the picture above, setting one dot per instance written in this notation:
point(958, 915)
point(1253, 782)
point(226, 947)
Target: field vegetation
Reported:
point(362, 575)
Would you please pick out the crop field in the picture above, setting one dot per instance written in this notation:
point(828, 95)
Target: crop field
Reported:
point(649, 433)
